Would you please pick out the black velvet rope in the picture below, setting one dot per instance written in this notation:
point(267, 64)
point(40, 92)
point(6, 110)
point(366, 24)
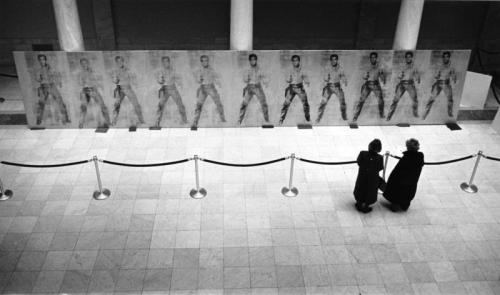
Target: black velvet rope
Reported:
point(243, 165)
point(145, 165)
point(326, 163)
point(44, 166)
point(442, 162)
point(492, 158)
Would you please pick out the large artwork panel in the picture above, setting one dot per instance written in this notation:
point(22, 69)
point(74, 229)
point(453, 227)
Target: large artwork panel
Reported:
point(405, 102)
point(126, 83)
point(209, 77)
point(338, 87)
point(167, 89)
point(93, 104)
point(372, 85)
point(47, 90)
point(255, 94)
point(240, 88)
point(445, 77)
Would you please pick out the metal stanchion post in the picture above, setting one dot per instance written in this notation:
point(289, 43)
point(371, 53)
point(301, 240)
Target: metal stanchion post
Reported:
point(197, 193)
point(386, 160)
point(471, 187)
point(5, 194)
point(290, 191)
point(100, 194)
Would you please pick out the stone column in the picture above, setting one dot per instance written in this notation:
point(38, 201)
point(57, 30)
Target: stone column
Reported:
point(410, 14)
point(69, 30)
point(241, 36)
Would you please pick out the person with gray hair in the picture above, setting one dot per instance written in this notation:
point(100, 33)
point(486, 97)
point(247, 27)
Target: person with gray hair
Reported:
point(402, 183)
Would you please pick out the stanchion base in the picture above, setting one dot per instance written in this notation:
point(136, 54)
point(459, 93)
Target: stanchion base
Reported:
point(289, 192)
point(7, 194)
point(102, 195)
point(469, 188)
point(198, 194)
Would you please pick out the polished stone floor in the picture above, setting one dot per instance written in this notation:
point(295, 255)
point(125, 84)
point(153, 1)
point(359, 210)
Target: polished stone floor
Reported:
point(244, 237)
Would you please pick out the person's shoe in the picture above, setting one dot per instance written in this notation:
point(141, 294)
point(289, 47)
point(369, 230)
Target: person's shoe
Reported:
point(394, 207)
point(366, 209)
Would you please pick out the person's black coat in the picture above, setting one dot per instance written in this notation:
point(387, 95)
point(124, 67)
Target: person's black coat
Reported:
point(402, 183)
point(368, 181)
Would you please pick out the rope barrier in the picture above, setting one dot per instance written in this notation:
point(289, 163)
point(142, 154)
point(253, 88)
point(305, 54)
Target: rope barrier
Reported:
point(45, 166)
point(326, 163)
point(199, 192)
point(442, 162)
point(492, 158)
point(450, 161)
point(145, 165)
point(243, 165)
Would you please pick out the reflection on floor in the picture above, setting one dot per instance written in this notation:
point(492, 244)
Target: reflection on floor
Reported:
point(244, 237)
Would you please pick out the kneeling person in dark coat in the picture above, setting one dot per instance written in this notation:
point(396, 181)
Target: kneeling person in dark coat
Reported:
point(402, 184)
point(370, 163)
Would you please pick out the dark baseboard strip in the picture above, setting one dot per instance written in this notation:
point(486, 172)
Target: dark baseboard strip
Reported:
point(13, 119)
point(304, 126)
point(453, 126)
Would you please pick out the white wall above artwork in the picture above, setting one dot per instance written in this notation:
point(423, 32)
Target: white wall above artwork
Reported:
point(475, 93)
